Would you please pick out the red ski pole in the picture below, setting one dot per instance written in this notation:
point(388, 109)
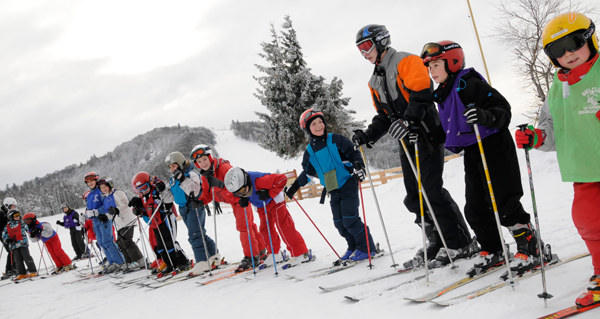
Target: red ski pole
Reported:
point(316, 227)
point(365, 218)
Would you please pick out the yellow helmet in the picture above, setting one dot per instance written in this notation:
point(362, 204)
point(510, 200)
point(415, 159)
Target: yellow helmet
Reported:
point(561, 27)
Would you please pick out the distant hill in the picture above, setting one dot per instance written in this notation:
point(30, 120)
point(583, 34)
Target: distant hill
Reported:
point(145, 152)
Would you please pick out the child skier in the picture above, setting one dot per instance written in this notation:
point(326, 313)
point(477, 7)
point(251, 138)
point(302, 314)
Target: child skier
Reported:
point(50, 238)
point(7, 204)
point(71, 221)
point(329, 153)
point(401, 92)
point(102, 224)
point(464, 98)
point(115, 202)
point(185, 187)
point(213, 172)
point(14, 236)
point(570, 124)
point(159, 214)
point(264, 188)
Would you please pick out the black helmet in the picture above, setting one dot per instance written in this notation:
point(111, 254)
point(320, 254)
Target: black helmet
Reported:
point(377, 35)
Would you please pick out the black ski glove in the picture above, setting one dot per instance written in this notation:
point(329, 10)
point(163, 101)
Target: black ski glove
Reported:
point(218, 208)
point(35, 231)
point(9, 241)
point(136, 202)
point(359, 171)
point(214, 182)
point(138, 211)
point(243, 201)
point(196, 203)
point(399, 129)
point(58, 222)
point(360, 138)
point(476, 115)
point(290, 191)
point(263, 194)
point(103, 218)
point(178, 175)
point(113, 211)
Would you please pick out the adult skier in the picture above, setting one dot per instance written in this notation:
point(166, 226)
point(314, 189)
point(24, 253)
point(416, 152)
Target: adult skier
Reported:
point(401, 92)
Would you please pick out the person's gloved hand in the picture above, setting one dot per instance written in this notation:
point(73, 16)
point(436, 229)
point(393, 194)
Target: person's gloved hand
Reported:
point(214, 182)
point(178, 175)
point(360, 138)
point(58, 222)
point(136, 202)
point(218, 208)
point(476, 115)
point(113, 211)
point(243, 201)
point(35, 231)
point(263, 194)
point(196, 203)
point(103, 218)
point(399, 129)
point(289, 192)
point(529, 137)
point(359, 171)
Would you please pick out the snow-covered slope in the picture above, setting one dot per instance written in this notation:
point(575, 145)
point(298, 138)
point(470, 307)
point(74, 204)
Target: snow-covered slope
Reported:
point(268, 296)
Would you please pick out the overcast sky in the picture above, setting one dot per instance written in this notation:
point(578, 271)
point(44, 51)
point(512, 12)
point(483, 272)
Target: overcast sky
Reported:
point(78, 78)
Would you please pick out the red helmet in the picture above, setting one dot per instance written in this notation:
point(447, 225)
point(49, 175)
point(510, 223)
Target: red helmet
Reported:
point(308, 116)
point(90, 176)
point(139, 181)
point(30, 218)
point(444, 50)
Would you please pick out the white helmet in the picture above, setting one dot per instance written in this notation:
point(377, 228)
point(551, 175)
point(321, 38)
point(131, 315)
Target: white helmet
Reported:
point(236, 178)
point(9, 201)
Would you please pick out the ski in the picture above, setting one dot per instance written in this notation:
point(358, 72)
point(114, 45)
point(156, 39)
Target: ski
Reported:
point(369, 295)
point(495, 286)
point(568, 312)
point(454, 285)
point(365, 281)
point(206, 274)
point(335, 269)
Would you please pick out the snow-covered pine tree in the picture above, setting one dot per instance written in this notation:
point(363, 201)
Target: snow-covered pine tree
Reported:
point(288, 88)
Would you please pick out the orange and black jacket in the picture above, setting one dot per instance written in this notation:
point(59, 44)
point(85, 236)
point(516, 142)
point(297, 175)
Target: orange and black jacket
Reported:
point(409, 87)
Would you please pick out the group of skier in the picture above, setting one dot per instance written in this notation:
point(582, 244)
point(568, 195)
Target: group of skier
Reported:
point(471, 117)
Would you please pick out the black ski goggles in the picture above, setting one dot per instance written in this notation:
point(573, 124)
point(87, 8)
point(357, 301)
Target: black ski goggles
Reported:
point(571, 43)
point(434, 49)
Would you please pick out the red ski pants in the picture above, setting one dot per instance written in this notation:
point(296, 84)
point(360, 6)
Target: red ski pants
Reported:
point(56, 252)
point(586, 217)
point(240, 224)
point(280, 217)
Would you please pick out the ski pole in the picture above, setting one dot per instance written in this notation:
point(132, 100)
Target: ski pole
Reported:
point(435, 221)
point(204, 242)
point(544, 294)
point(144, 248)
point(42, 258)
point(422, 211)
point(215, 218)
point(88, 250)
point(316, 228)
point(366, 229)
point(387, 239)
point(249, 240)
point(270, 240)
point(489, 182)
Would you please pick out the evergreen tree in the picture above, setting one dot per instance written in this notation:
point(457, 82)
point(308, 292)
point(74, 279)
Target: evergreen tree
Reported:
point(288, 88)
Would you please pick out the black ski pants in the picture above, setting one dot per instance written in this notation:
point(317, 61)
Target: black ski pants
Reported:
point(130, 250)
point(77, 241)
point(503, 167)
point(22, 260)
point(172, 250)
point(451, 221)
point(9, 263)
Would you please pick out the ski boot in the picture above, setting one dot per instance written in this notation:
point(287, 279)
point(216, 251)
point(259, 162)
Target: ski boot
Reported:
point(433, 246)
point(21, 277)
point(486, 260)
point(443, 256)
point(246, 263)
